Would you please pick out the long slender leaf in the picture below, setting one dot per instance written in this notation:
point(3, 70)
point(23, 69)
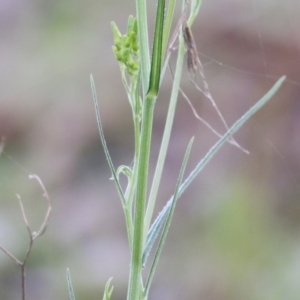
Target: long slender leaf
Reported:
point(126, 206)
point(234, 128)
point(210, 154)
point(152, 236)
point(169, 218)
point(70, 286)
point(108, 290)
point(107, 155)
point(166, 137)
point(172, 106)
point(157, 51)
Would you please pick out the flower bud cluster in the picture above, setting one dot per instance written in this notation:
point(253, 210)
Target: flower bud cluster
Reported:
point(126, 47)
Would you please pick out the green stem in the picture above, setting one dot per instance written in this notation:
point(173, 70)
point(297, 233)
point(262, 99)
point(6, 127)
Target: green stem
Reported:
point(169, 121)
point(135, 280)
point(166, 137)
point(143, 165)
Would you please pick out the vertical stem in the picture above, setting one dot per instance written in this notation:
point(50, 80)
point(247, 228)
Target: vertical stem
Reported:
point(23, 282)
point(135, 280)
point(143, 165)
point(166, 137)
point(170, 117)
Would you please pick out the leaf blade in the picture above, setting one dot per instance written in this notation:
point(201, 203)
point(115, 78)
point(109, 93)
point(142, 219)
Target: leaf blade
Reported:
point(209, 155)
point(169, 218)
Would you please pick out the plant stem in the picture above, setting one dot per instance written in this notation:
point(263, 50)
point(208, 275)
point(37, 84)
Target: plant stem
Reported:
point(141, 193)
point(141, 10)
point(135, 280)
point(166, 137)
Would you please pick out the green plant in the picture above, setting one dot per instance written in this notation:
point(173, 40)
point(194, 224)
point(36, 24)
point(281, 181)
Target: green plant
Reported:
point(139, 72)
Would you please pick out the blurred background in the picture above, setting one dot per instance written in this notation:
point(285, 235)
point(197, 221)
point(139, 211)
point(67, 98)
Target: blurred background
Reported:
point(235, 233)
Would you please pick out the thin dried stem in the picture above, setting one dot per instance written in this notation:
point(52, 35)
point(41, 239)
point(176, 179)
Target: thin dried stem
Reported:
point(197, 115)
point(174, 36)
point(11, 256)
point(195, 111)
point(32, 234)
point(43, 226)
point(24, 215)
point(194, 65)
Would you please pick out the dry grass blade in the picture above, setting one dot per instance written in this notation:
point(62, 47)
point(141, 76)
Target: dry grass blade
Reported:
point(194, 64)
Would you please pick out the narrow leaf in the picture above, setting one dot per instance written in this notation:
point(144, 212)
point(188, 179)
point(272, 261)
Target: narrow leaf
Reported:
point(234, 128)
point(100, 128)
point(210, 154)
point(169, 218)
point(157, 50)
point(152, 236)
point(70, 286)
point(108, 290)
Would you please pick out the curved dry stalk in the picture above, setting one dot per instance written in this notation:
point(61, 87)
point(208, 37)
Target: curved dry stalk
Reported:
point(202, 120)
point(32, 234)
point(11, 256)
point(43, 226)
point(194, 64)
